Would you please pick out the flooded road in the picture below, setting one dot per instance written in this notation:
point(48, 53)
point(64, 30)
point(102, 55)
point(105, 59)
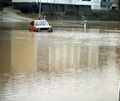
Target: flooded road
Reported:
point(66, 65)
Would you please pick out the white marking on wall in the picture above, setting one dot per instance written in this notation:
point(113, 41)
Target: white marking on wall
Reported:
point(75, 2)
point(96, 4)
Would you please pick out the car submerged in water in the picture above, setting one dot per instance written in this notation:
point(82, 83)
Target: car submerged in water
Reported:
point(40, 25)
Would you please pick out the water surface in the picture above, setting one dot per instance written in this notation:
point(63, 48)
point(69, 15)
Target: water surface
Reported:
point(66, 65)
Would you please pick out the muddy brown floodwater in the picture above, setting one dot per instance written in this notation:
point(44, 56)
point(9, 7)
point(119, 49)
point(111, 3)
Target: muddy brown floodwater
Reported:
point(66, 65)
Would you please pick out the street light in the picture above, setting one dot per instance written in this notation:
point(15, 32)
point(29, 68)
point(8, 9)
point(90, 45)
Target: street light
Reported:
point(1, 11)
point(39, 3)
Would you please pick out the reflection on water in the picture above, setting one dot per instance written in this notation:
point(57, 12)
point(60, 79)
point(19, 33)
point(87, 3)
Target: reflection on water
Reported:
point(18, 52)
point(23, 52)
point(5, 51)
point(66, 65)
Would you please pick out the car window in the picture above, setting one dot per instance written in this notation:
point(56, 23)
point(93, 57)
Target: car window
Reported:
point(38, 23)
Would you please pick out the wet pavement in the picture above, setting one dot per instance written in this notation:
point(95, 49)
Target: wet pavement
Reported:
point(69, 64)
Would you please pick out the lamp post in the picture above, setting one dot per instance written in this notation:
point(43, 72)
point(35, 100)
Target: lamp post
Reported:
point(39, 3)
point(1, 11)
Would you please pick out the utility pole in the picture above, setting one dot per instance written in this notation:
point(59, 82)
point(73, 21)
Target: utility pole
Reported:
point(119, 5)
point(1, 16)
point(1, 10)
point(107, 5)
point(39, 3)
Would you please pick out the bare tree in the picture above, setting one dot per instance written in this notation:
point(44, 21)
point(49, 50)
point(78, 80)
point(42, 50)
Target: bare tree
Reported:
point(6, 1)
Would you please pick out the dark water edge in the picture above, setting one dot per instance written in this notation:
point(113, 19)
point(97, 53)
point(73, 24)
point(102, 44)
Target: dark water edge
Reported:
point(14, 25)
point(63, 24)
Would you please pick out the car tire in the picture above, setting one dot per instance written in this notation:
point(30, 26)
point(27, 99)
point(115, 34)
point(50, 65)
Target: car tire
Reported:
point(37, 30)
point(50, 30)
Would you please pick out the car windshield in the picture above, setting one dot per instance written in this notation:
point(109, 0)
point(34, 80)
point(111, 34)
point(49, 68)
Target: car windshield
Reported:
point(39, 23)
